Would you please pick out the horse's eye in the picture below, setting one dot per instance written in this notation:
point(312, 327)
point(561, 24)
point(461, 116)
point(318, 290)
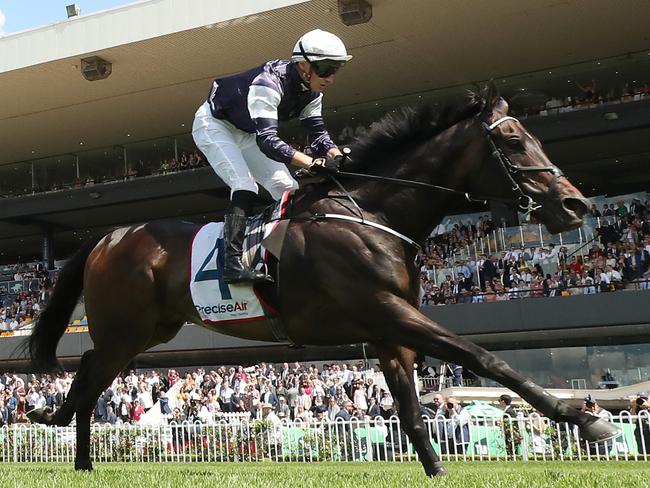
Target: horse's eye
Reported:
point(514, 142)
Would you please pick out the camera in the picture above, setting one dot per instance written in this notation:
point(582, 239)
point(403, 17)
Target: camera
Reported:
point(590, 404)
point(450, 405)
point(640, 401)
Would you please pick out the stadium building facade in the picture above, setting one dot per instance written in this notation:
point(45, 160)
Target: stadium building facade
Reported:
point(74, 150)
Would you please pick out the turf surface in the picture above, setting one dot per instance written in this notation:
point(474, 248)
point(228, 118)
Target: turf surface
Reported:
point(312, 475)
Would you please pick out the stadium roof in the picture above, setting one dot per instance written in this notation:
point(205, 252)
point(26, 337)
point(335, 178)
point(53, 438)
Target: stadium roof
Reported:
point(165, 53)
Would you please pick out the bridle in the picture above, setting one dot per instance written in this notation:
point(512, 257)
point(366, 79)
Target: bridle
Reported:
point(525, 202)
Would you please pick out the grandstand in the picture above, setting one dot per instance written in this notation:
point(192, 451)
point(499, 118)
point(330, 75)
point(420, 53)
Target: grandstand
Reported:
point(79, 157)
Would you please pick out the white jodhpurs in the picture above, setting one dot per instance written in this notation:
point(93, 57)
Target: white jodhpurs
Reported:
point(236, 158)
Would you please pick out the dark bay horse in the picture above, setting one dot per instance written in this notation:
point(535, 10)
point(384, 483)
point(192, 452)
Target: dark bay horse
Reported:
point(341, 282)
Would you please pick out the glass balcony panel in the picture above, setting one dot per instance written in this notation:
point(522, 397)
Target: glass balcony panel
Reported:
point(51, 174)
point(153, 157)
point(189, 156)
point(15, 180)
point(101, 166)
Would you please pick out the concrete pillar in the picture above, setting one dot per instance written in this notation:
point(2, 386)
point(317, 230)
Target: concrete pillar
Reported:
point(48, 247)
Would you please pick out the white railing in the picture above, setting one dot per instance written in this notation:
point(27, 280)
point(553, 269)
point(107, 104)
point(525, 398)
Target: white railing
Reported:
point(484, 439)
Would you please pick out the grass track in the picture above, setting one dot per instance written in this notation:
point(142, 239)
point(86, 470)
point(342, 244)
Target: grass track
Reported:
point(312, 475)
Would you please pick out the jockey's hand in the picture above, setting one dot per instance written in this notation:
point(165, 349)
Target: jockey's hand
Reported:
point(323, 166)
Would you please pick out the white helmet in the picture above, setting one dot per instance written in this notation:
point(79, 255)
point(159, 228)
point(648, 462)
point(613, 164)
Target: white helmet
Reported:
point(318, 45)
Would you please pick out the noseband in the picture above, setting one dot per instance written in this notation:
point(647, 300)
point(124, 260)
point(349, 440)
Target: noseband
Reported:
point(526, 203)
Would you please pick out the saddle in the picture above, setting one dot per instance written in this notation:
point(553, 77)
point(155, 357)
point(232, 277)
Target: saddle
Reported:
point(265, 234)
point(218, 303)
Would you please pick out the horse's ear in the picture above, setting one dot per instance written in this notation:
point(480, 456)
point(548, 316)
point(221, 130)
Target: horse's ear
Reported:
point(492, 95)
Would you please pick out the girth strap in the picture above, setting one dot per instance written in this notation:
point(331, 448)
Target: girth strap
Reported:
point(369, 224)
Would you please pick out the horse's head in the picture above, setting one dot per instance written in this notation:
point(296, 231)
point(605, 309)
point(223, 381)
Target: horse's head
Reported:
point(525, 171)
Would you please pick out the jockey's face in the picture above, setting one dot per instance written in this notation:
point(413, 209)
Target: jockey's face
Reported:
point(316, 83)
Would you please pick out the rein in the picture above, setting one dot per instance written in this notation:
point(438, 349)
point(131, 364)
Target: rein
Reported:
point(525, 203)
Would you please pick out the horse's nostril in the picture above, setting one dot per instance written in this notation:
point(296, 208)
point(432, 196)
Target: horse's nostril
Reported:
point(577, 205)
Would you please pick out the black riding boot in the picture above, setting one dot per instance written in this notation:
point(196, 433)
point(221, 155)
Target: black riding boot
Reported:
point(234, 270)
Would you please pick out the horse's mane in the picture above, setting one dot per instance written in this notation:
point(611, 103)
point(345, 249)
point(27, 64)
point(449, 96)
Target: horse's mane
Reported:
point(407, 127)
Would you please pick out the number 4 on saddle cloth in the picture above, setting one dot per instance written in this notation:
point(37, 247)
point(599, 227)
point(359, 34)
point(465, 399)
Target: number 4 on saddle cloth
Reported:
point(218, 303)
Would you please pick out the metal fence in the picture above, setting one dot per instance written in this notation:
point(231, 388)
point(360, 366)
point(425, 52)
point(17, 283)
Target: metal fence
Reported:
point(481, 439)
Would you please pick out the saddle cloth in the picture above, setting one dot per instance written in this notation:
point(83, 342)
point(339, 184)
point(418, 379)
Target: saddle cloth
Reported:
point(218, 303)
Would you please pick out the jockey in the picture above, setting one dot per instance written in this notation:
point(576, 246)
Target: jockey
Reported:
point(237, 130)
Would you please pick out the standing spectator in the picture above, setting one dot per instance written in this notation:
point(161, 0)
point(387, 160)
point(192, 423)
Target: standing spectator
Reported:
point(505, 402)
point(4, 413)
point(457, 428)
point(345, 413)
point(136, 410)
point(387, 405)
point(144, 397)
point(226, 397)
point(359, 398)
point(125, 405)
point(374, 410)
point(332, 409)
point(591, 407)
point(268, 413)
point(641, 407)
point(621, 209)
point(283, 411)
point(512, 435)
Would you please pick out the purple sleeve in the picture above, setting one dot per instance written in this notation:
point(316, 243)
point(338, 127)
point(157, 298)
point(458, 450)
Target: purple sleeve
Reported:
point(264, 96)
point(320, 140)
point(266, 135)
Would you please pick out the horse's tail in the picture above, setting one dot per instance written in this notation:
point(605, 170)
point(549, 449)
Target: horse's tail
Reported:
point(53, 321)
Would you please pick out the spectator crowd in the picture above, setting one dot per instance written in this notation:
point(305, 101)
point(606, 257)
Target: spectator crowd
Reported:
point(297, 392)
point(23, 295)
point(586, 96)
point(294, 392)
point(620, 255)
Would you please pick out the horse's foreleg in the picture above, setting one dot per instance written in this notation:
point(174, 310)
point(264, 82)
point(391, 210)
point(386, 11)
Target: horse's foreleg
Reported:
point(406, 325)
point(397, 366)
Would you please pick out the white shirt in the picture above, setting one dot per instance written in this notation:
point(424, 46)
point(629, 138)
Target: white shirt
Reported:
point(32, 398)
point(40, 402)
point(145, 400)
point(359, 399)
point(226, 394)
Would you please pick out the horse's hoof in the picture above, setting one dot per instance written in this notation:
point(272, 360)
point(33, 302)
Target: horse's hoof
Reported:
point(438, 469)
point(83, 465)
point(598, 430)
point(40, 415)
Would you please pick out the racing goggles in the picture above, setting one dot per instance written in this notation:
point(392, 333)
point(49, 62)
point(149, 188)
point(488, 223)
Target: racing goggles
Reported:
point(325, 68)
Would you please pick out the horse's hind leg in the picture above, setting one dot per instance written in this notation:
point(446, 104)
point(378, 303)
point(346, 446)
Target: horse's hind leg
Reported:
point(100, 367)
point(406, 325)
point(96, 372)
point(63, 415)
point(397, 366)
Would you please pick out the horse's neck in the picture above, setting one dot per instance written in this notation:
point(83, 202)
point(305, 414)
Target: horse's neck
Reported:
point(444, 160)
